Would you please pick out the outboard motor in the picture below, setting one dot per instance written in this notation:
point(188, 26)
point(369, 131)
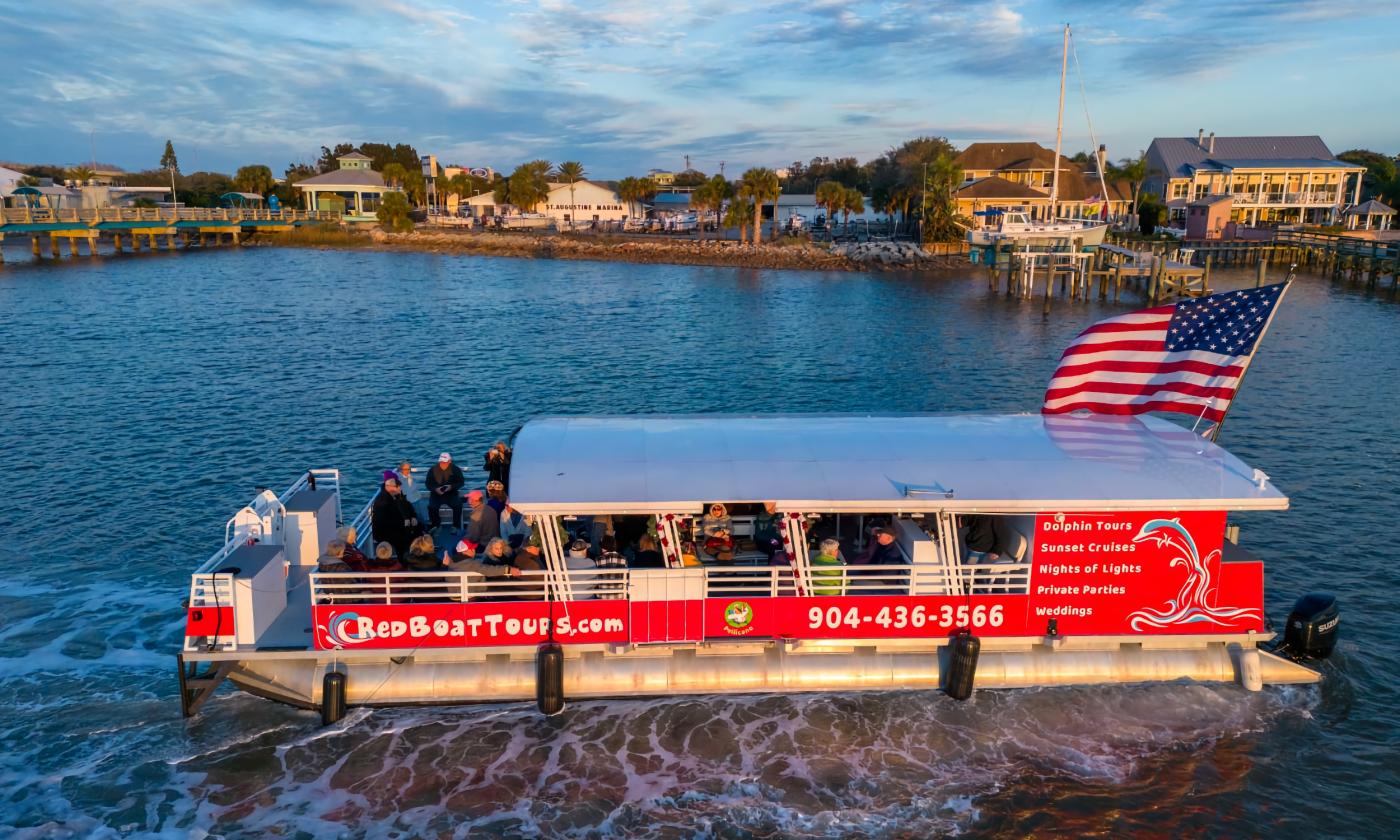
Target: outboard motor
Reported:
point(1311, 632)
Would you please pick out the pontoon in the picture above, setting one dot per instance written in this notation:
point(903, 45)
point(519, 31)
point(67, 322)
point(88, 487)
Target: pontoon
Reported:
point(1117, 565)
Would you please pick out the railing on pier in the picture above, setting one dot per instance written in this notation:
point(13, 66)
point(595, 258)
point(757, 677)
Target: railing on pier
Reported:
point(93, 216)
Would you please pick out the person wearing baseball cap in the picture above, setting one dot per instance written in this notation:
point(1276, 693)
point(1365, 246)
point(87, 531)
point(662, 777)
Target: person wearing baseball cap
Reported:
point(444, 482)
point(483, 526)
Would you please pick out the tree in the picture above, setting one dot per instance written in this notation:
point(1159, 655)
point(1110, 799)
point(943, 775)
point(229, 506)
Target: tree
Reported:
point(690, 178)
point(526, 187)
point(394, 175)
point(393, 213)
point(829, 196)
point(760, 185)
point(634, 190)
point(254, 179)
point(81, 174)
point(1135, 172)
point(169, 163)
point(168, 160)
point(1380, 170)
point(939, 208)
point(739, 215)
point(570, 172)
point(851, 202)
point(415, 187)
point(710, 196)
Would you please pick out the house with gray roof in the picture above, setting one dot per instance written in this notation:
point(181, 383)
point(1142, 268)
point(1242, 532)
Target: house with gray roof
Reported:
point(354, 189)
point(1271, 180)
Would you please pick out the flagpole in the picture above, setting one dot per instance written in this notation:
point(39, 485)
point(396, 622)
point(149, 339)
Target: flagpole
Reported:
point(1288, 281)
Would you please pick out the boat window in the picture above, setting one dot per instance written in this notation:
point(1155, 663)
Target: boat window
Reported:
point(994, 551)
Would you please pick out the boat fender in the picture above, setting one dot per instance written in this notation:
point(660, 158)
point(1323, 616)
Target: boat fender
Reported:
point(1311, 632)
point(962, 665)
point(332, 697)
point(549, 678)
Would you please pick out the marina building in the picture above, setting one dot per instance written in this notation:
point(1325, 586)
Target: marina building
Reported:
point(1270, 180)
point(1002, 176)
point(590, 202)
point(354, 188)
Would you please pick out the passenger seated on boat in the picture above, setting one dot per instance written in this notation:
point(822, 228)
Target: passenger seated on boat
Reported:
point(528, 559)
point(483, 525)
point(333, 558)
point(422, 555)
point(828, 573)
point(576, 561)
point(353, 557)
point(885, 552)
point(444, 482)
point(980, 537)
point(384, 559)
point(717, 531)
point(515, 526)
point(609, 558)
point(765, 530)
point(496, 497)
point(647, 557)
point(394, 519)
point(498, 553)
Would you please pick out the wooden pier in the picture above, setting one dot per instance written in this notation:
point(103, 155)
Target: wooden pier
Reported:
point(133, 227)
point(1104, 271)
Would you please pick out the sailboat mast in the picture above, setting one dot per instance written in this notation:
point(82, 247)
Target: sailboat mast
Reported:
point(1059, 127)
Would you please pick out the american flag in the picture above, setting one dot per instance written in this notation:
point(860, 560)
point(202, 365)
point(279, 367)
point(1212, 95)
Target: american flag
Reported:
point(1187, 357)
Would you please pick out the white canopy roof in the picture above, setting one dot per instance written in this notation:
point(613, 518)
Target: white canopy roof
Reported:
point(1024, 462)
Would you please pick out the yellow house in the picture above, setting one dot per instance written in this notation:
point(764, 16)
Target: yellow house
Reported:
point(1005, 176)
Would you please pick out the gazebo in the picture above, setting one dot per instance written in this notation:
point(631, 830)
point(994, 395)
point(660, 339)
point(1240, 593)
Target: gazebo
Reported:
point(52, 197)
point(1369, 215)
point(354, 188)
point(241, 200)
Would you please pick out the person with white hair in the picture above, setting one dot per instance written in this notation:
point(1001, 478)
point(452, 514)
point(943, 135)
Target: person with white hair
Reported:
point(828, 572)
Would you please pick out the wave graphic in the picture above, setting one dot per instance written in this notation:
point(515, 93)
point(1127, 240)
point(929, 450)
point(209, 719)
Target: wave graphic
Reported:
point(1195, 601)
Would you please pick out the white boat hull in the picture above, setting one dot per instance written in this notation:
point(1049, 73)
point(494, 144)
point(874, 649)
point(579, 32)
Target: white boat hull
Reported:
point(507, 675)
point(1087, 235)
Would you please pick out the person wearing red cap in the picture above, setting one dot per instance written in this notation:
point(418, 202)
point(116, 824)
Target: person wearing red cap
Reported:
point(444, 482)
point(483, 526)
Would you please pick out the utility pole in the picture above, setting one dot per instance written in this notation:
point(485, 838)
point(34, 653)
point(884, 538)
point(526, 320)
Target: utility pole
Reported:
point(687, 163)
point(721, 169)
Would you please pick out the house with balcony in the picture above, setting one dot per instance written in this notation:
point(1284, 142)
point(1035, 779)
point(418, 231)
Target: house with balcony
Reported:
point(1270, 180)
point(1003, 176)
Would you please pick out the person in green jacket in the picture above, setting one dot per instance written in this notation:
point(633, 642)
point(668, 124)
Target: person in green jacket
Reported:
point(829, 577)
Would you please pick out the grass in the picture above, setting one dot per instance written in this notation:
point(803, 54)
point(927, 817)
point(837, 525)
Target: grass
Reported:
point(325, 235)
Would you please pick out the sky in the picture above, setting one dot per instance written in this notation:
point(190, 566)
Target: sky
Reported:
point(633, 85)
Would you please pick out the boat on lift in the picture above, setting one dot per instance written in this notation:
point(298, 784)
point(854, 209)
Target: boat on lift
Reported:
point(1019, 228)
point(1118, 564)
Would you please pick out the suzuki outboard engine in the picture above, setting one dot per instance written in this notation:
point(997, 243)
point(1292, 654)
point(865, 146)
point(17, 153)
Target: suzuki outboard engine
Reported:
point(1312, 628)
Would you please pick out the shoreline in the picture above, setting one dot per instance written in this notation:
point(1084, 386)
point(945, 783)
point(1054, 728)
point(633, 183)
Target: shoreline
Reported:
point(787, 254)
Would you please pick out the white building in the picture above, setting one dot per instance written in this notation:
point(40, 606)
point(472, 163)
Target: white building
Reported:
point(9, 179)
point(589, 202)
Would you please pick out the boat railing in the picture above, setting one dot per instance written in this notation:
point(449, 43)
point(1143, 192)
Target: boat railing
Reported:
point(449, 586)
point(213, 591)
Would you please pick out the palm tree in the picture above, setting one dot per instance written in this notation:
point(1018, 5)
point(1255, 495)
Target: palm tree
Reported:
point(941, 222)
point(1135, 171)
point(633, 190)
point(851, 202)
point(81, 174)
point(394, 175)
point(760, 185)
point(740, 215)
point(830, 195)
point(711, 195)
point(571, 171)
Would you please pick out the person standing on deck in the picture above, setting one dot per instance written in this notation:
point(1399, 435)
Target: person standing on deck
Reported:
point(445, 483)
point(483, 525)
point(515, 528)
point(394, 520)
point(409, 485)
point(497, 463)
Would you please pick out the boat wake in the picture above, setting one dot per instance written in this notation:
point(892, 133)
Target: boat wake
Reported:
point(1194, 603)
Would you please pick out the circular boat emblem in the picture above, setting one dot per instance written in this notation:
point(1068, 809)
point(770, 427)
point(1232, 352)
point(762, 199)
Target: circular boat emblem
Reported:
point(738, 614)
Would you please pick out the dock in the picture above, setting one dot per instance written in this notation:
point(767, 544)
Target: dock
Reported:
point(130, 227)
point(1104, 270)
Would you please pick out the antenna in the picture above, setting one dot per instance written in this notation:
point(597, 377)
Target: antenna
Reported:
point(687, 163)
point(721, 168)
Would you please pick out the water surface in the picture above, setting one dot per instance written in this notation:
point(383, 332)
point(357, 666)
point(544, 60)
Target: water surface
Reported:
point(143, 399)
